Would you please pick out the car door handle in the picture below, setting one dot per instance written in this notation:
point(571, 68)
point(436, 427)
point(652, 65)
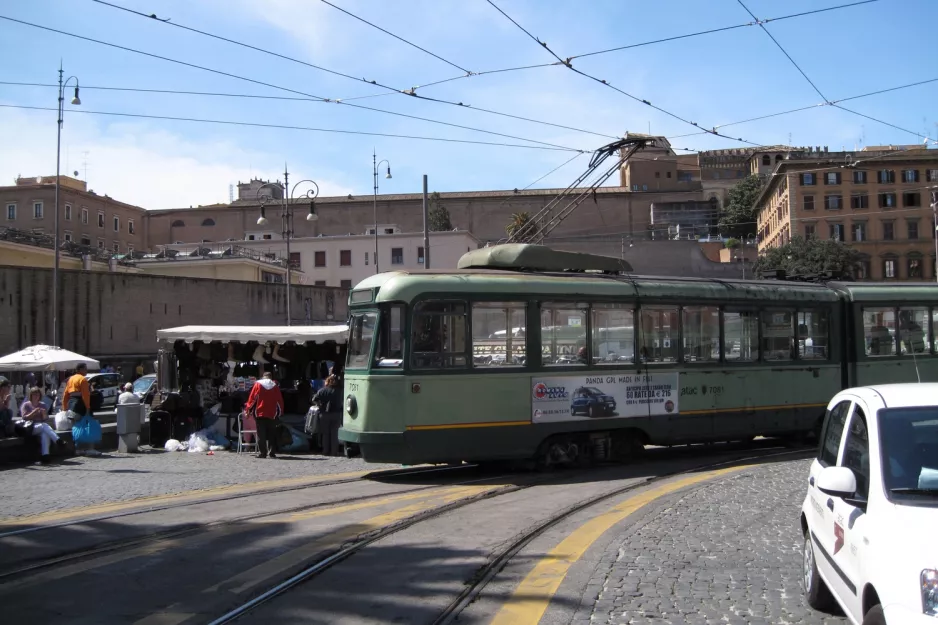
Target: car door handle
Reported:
point(811, 481)
point(830, 504)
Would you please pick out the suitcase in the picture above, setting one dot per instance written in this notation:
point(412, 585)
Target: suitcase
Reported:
point(160, 428)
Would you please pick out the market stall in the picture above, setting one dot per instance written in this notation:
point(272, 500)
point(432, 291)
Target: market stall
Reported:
point(48, 360)
point(202, 367)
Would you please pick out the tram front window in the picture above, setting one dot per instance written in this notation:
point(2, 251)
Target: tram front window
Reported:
point(361, 336)
point(390, 352)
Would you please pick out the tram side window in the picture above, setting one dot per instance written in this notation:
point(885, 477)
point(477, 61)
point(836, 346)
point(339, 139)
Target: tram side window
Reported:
point(563, 334)
point(498, 334)
point(879, 331)
point(777, 334)
point(659, 332)
point(741, 336)
point(390, 351)
point(934, 330)
point(813, 340)
point(439, 335)
point(361, 336)
point(913, 333)
point(701, 333)
point(613, 334)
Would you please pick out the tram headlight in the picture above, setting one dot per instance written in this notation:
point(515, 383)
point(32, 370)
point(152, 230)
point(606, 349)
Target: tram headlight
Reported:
point(351, 406)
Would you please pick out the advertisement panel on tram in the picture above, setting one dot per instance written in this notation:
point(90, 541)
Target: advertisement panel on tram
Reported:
point(575, 398)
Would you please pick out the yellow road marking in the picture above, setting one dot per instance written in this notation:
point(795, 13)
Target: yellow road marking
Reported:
point(185, 496)
point(276, 567)
point(530, 599)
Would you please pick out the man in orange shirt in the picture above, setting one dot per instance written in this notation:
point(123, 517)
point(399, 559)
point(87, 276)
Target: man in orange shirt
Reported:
point(77, 396)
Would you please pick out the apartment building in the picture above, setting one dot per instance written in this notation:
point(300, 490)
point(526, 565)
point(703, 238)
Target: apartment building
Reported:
point(85, 218)
point(877, 200)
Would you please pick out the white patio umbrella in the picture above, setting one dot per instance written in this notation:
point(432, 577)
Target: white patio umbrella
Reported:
point(45, 358)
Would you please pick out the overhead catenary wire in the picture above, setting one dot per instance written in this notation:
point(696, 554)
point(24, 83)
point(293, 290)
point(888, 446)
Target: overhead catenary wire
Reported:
point(410, 92)
point(290, 127)
point(719, 30)
point(606, 83)
point(266, 84)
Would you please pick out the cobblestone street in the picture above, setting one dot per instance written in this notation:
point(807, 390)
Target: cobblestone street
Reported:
point(83, 481)
point(729, 552)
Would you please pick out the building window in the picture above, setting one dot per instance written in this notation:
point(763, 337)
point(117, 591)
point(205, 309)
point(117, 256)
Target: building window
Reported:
point(886, 176)
point(887, 200)
point(860, 201)
point(397, 256)
point(178, 223)
point(810, 231)
point(117, 224)
point(345, 258)
point(130, 226)
point(911, 199)
point(889, 231)
point(100, 219)
point(859, 231)
point(931, 175)
point(267, 237)
point(37, 210)
point(833, 202)
point(913, 229)
point(889, 268)
point(669, 174)
point(862, 270)
point(832, 178)
point(366, 259)
point(100, 244)
point(208, 222)
point(319, 259)
point(420, 259)
point(130, 250)
point(86, 240)
point(809, 202)
point(915, 268)
point(657, 174)
point(837, 232)
point(345, 284)
point(295, 260)
point(68, 212)
point(909, 175)
point(766, 160)
point(808, 180)
point(117, 247)
point(84, 216)
point(68, 237)
point(645, 186)
point(319, 283)
point(859, 177)
point(11, 212)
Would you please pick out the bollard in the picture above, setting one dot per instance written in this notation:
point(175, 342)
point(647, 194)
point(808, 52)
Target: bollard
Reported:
point(129, 418)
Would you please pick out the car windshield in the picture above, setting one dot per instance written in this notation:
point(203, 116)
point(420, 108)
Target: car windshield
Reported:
point(909, 447)
point(593, 390)
point(142, 385)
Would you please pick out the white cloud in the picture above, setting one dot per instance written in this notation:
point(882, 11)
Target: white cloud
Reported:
point(305, 21)
point(136, 162)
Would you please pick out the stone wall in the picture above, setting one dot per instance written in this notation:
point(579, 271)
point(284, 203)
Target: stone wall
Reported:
point(114, 316)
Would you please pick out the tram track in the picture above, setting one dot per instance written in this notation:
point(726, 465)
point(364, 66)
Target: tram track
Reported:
point(190, 529)
point(495, 564)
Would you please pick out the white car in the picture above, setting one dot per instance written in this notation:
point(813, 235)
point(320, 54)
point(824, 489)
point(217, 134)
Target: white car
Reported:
point(871, 512)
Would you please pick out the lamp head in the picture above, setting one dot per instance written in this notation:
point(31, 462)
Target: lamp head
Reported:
point(76, 100)
point(262, 220)
point(312, 212)
point(389, 172)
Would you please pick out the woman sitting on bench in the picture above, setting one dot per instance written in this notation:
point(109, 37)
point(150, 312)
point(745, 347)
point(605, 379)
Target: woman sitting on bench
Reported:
point(33, 423)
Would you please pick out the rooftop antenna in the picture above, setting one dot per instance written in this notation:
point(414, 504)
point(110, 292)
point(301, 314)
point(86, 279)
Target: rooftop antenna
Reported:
point(230, 193)
point(85, 164)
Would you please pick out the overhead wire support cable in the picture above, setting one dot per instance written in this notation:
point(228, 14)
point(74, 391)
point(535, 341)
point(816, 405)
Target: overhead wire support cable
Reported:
point(411, 92)
point(273, 86)
point(290, 127)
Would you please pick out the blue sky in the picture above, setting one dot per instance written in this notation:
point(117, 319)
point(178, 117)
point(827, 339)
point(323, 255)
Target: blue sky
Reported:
point(712, 79)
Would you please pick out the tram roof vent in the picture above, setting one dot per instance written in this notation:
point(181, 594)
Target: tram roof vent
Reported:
point(527, 257)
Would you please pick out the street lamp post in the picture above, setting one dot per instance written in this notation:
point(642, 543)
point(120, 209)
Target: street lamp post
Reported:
point(286, 217)
point(375, 164)
point(55, 218)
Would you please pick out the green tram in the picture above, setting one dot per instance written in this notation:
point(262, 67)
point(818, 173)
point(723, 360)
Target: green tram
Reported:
point(528, 353)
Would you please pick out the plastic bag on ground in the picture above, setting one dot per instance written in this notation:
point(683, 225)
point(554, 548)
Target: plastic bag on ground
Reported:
point(199, 442)
point(62, 422)
point(172, 445)
point(87, 431)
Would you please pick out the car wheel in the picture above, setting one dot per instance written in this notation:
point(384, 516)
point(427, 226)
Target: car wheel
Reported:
point(592, 411)
point(875, 616)
point(815, 590)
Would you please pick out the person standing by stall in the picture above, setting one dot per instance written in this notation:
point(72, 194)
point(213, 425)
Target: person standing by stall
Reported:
point(329, 400)
point(77, 399)
point(266, 404)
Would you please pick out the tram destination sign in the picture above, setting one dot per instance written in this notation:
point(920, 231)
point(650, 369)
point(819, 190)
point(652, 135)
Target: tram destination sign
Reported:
point(577, 398)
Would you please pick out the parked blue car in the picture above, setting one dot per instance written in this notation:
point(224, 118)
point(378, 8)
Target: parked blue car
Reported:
point(592, 402)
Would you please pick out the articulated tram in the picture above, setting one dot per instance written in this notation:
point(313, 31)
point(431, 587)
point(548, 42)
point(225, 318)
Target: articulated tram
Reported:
point(528, 353)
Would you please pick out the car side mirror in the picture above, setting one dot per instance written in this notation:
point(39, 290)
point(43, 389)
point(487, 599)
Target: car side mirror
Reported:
point(837, 482)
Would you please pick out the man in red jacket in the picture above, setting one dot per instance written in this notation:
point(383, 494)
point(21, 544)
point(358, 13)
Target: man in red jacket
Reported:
point(266, 403)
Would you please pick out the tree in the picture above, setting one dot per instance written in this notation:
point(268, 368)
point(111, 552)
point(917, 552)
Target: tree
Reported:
point(803, 256)
point(738, 217)
point(437, 215)
point(518, 221)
